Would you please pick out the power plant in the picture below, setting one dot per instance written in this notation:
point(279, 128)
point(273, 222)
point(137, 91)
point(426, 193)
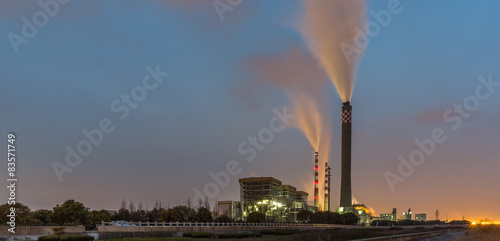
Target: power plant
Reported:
point(345, 184)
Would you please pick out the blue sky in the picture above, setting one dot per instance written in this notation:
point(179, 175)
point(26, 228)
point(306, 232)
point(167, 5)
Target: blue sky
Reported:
point(65, 79)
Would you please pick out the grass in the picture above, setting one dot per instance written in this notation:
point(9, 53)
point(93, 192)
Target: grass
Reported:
point(490, 232)
point(338, 234)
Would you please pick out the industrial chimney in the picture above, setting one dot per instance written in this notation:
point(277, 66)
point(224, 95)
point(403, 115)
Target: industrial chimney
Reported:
point(345, 185)
point(327, 188)
point(316, 200)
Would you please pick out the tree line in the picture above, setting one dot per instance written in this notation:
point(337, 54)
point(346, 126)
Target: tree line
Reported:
point(72, 212)
point(327, 217)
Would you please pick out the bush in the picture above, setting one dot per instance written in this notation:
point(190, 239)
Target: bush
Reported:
point(239, 235)
point(279, 232)
point(223, 219)
point(66, 238)
point(120, 235)
point(202, 235)
point(223, 236)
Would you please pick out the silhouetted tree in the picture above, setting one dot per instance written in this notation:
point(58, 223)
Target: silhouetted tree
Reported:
point(71, 212)
point(206, 204)
point(203, 215)
point(319, 217)
point(223, 219)
point(22, 213)
point(351, 218)
point(304, 216)
point(41, 216)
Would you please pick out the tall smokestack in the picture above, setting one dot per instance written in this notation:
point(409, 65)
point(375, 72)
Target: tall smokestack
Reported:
point(327, 188)
point(316, 191)
point(345, 185)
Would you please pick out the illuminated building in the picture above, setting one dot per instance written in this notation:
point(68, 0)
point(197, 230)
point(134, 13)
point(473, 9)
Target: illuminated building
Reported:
point(269, 196)
point(364, 214)
point(420, 217)
point(389, 216)
point(407, 215)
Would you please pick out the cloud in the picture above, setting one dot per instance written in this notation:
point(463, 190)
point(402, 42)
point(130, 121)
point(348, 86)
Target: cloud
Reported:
point(434, 114)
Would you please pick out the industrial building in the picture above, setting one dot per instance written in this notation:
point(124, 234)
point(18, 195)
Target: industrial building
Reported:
point(364, 214)
point(232, 209)
point(389, 216)
point(407, 215)
point(268, 195)
point(420, 217)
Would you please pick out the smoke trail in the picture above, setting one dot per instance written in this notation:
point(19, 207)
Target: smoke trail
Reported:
point(297, 72)
point(329, 26)
point(299, 75)
point(308, 117)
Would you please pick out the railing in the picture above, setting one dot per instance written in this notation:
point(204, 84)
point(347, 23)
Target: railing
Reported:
point(207, 224)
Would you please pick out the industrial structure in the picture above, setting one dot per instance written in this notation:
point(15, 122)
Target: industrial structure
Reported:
point(364, 214)
point(345, 184)
point(267, 195)
point(327, 187)
point(232, 209)
point(389, 216)
point(316, 181)
point(407, 215)
point(420, 217)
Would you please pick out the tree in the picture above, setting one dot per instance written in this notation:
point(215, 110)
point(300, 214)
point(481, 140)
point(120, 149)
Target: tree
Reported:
point(206, 204)
point(336, 218)
point(178, 214)
point(41, 216)
point(319, 217)
point(256, 217)
point(131, 207)
point(204, 215)
point(22, 213)
point(71, 212)
point(304, 216)
point(223, 219)
point(99, 216)
point(351, 218)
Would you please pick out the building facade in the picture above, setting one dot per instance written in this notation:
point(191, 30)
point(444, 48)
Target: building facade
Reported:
point(232, 209)
point(407, 215)
point(268, 195)
point(420, 217)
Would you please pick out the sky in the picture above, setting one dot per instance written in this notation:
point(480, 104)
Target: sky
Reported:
point(66, 76)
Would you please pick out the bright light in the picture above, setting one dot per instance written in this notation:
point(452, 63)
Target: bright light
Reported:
point(473, 223)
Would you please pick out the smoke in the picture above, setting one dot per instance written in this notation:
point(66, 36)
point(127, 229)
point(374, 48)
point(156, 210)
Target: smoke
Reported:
point(308, 117)
point(330, 27)
point(297, 73)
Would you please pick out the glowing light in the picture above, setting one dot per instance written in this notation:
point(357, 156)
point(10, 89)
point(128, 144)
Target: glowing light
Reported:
point(315, 168)
point(315, 197)
point(473, 223)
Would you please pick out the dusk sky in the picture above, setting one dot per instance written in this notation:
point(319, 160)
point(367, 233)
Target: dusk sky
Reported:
point(65, 79)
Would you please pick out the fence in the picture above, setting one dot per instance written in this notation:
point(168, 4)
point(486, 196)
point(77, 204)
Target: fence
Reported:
point(208, 224)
